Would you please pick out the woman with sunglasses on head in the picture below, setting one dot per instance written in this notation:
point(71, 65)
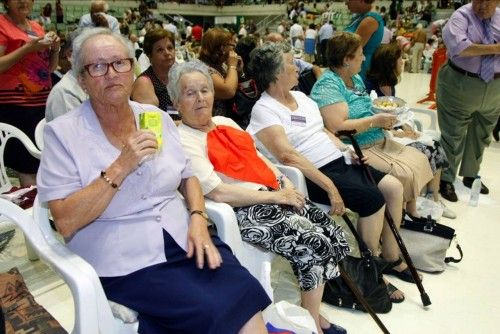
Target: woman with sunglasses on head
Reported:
point(225, 65)
point(114, 195)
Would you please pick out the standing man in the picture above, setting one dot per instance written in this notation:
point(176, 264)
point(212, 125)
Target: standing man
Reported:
point(468, 91)
point(296, 31)
point(324, 34)
point(67, 94)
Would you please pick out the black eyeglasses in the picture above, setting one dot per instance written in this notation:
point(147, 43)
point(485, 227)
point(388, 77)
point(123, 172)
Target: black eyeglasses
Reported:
point(100, 69)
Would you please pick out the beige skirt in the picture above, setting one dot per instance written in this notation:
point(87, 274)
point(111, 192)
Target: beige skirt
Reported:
point(407, 164)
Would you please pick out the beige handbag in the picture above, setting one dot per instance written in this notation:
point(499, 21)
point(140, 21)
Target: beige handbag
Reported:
point(427, 244)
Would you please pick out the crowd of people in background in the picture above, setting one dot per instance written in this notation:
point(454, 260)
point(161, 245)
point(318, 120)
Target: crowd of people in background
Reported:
point(308, 25)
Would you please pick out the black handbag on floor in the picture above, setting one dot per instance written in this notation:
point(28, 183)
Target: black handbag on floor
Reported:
point(366, 273)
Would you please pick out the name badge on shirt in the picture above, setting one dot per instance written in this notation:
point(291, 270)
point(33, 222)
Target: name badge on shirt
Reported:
point(298, 120)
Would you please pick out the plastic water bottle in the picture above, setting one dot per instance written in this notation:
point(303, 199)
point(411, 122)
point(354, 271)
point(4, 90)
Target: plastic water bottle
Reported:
point(474, 191)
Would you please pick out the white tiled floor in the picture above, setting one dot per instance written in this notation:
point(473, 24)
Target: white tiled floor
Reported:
point(464, 298)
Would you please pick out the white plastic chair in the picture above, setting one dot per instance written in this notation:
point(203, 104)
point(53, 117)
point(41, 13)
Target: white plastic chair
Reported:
point(8, 131)
point(256, 260)
point(432, 128)
point(39, 133)
point(93, 312)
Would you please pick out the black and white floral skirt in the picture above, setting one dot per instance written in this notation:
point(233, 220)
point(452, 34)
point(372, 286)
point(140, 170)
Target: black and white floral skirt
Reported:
point(435, 154)
point(309, 239)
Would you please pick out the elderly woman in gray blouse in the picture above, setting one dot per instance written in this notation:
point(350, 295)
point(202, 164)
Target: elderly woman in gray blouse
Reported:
point(113, 194)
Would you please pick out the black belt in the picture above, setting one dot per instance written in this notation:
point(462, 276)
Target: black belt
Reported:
point(467, 73)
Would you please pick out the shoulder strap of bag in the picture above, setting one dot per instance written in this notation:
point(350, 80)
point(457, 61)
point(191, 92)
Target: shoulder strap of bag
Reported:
point(452, 259)
point(363, 249)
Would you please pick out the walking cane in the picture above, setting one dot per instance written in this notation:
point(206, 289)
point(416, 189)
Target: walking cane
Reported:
point(423, 295)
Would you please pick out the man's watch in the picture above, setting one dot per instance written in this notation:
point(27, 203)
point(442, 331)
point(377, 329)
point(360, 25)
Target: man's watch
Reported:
point(201, 213)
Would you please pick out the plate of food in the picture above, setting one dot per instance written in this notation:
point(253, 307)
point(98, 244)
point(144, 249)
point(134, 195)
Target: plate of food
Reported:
point(389, 104)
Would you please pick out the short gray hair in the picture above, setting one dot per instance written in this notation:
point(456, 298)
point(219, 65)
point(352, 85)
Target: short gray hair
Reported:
point(266, 62)
point(84, 36)
point(178, 70)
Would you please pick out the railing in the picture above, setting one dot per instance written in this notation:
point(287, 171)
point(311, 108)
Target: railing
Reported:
point(268, 21)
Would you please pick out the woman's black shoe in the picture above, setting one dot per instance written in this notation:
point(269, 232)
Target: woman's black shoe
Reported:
point(447, 191)
point(404, 275)
point(468, 183)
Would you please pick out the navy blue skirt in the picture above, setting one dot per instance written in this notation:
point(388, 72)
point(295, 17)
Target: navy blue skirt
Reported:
point(358, 192)
point(177, 297)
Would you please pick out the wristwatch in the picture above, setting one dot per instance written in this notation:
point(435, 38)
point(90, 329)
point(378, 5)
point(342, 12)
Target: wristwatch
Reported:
point(201, 213)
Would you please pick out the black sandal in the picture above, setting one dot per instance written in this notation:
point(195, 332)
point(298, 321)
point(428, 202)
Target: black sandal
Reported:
point(404, 275)
point(390, 290)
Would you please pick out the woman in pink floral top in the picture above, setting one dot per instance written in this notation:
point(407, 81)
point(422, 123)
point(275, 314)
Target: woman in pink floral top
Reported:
point(26, 60)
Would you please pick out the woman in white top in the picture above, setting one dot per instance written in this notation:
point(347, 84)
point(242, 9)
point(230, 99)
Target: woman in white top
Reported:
point(289, 128)
point(270, 212)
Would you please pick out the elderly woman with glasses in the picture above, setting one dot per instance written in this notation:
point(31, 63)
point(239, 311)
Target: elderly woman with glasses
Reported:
point(270, 212)
point(345, 105)
point(288, 127)
point(112, 191)
point(225, 65)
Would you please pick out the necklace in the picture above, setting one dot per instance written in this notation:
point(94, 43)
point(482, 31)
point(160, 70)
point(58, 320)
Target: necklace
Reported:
point(349, 85)
point(119, 137)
